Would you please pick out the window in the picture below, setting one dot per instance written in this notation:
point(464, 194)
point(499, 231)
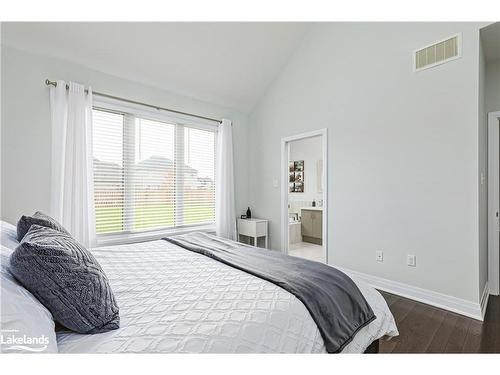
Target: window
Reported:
point(151, 173)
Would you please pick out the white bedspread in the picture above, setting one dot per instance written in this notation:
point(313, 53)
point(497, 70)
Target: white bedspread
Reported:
point(174, 300)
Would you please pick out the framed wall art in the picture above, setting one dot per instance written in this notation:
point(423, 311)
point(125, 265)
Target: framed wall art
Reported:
point(296, 176)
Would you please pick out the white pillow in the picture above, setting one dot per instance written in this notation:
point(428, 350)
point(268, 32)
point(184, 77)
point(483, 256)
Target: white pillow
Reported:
point(26, 325)
point(8, 236)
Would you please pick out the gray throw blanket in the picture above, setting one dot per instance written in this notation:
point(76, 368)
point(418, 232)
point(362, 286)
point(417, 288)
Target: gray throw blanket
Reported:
point(331, 297)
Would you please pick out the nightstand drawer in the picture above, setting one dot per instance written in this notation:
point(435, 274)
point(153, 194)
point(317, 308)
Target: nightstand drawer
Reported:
point(247, 228)
point(261, 228)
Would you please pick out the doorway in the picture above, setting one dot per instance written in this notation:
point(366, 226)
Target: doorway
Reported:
point(494, 202)
point(304, 198)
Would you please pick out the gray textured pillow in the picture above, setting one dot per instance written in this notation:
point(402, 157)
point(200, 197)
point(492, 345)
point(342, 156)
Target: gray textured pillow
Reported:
point(39, 218)
point(67, 279)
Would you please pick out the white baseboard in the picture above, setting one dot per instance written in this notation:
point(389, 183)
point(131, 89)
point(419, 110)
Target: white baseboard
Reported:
point(484, 300)
point(457, 305)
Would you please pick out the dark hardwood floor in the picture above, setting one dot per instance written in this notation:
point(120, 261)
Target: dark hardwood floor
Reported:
point(426, 329)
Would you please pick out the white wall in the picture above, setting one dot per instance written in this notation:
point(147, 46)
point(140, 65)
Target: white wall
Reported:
point(403, 150)
point(309, 150)
point(493, 86)
point(26, 132)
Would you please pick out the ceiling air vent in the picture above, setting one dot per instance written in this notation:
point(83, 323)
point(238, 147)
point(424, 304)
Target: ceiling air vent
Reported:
point(438, 53)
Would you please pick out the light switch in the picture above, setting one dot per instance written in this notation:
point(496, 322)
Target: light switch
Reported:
point(275, 183)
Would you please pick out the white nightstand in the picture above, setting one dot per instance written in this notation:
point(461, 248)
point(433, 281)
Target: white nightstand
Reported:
point(254, 228)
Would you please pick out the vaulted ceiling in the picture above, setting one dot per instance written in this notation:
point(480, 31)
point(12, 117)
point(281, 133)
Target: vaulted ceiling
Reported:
point(229, 64)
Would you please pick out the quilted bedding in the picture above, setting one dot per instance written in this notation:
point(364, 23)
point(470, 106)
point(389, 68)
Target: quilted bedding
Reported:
point(172, 300)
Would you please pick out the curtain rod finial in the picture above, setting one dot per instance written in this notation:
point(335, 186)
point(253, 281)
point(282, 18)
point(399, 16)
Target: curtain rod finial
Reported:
point(49, 82)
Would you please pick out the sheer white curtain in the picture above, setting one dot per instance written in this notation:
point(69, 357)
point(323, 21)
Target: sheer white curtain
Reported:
point(225, 215)
point(72, 199)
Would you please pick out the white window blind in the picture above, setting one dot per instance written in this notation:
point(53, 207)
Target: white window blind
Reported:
point(150, 174)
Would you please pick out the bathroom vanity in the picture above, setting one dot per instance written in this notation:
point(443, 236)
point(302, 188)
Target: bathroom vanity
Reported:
point(312, 225)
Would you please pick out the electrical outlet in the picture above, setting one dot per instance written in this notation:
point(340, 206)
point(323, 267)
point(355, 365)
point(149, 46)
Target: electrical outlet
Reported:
point(379, 256)
point(411, 260)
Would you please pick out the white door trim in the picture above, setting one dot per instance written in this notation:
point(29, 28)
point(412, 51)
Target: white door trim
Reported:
point(323, 133)
point(493, 202)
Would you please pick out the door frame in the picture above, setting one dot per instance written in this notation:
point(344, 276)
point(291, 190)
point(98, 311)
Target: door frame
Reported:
point(493, 202)
point(285, 151)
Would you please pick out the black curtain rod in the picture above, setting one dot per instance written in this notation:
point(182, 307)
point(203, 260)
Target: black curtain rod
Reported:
point(53, 83)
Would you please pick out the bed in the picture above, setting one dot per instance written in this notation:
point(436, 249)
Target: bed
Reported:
point(175, 301)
